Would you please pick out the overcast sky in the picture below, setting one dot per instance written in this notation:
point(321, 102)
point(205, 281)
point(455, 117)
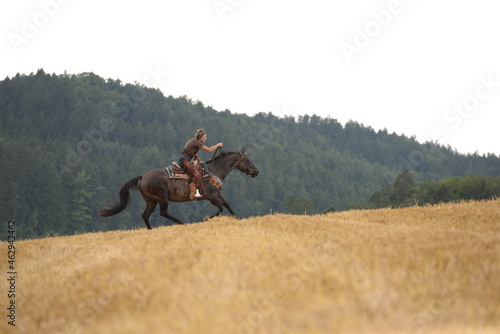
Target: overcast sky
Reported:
point(422, 68)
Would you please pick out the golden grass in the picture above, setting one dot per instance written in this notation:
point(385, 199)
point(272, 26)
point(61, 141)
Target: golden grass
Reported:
point(429, 269)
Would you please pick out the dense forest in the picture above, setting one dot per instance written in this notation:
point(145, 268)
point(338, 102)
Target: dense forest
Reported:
point(69, 142)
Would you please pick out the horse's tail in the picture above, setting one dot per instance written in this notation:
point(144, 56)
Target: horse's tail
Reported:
point(118, 207)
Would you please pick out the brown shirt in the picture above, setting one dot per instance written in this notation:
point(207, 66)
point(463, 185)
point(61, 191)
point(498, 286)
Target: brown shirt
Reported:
point(192, 147)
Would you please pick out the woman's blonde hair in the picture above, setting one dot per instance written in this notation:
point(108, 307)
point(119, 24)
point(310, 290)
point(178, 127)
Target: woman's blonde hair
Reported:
point(199, 133)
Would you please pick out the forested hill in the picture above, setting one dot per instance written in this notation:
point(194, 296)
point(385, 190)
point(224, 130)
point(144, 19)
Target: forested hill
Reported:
point(69, 142)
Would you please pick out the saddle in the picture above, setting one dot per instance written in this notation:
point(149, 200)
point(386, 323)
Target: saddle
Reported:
point(177, 172)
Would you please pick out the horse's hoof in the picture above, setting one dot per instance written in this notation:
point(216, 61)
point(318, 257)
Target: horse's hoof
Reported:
point(206, 218)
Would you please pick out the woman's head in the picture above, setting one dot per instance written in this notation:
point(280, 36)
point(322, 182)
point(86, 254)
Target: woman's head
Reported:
point(199, 133)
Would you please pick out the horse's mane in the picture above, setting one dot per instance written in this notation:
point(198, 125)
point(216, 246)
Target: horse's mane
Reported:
point(222, 154)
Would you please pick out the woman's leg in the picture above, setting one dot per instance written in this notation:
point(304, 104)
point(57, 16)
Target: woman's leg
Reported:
point(195, 177)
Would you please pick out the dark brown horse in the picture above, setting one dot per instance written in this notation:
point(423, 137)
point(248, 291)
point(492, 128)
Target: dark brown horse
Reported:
point(157, 188)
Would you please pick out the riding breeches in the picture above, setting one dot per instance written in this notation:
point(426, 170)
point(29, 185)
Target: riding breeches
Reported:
point(193, 172)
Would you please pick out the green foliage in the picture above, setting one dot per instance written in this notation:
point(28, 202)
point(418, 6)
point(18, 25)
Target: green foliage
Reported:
point(69, 142)
point(471, 187)
point(402, 189)
point(299, 205)
point(330, 209)
point(404, 192)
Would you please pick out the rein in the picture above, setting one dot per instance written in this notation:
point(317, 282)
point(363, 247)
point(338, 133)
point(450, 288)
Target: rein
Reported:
point(214, 156)
point(219, 150)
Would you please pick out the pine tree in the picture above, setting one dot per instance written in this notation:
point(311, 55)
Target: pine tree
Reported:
point(402, 188)
point(80, 203)
point(299, 205)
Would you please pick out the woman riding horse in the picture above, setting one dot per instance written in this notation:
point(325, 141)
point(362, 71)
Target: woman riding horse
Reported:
point(156, 187)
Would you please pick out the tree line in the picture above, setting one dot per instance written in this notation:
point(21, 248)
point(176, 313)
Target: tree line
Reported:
point(404, 191)
point(68, 142)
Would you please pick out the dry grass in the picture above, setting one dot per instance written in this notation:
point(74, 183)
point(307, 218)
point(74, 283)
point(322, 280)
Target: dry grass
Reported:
point(417, 270)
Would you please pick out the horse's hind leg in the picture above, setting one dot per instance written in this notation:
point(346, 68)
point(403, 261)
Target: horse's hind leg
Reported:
point(164, 210)
point(150, 207)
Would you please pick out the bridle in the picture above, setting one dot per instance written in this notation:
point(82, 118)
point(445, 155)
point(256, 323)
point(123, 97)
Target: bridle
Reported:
point(246, 162)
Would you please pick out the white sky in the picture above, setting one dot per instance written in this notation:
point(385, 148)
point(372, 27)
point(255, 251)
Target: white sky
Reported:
point(423, 68)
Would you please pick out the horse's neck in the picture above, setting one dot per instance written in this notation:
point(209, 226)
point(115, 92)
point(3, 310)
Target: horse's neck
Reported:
point(221, 167)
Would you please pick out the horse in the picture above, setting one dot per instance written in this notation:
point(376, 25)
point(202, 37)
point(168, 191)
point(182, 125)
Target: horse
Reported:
point(156, 187)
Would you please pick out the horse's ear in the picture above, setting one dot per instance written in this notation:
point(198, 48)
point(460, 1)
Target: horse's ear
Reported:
point(244, 150)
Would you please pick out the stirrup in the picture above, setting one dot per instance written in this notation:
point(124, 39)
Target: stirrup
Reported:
point(198, 195)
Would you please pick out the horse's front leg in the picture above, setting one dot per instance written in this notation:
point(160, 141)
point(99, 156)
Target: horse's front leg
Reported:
point(224, 203)
point(215, 201)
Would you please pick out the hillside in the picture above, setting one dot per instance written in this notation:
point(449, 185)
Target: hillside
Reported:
point(69, 142)
point(428, 269)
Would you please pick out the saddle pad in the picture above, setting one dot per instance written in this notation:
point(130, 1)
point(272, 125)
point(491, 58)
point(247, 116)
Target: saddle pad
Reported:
point(175, 175)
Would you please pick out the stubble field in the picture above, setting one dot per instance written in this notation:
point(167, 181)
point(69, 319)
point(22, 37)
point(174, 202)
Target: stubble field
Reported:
point(432, 269)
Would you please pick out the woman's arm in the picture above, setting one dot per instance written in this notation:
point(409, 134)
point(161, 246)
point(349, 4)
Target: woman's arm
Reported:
point(211, 149)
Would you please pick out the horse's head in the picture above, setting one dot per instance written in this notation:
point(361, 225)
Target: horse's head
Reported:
point(245, 165)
